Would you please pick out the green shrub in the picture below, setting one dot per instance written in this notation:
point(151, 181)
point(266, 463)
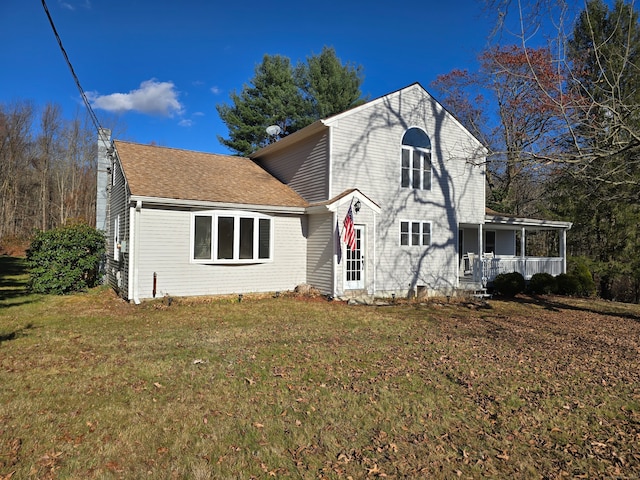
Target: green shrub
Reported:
point(578, 268)
point(543, 284)
point(509, 284)
point(568, 284)
point(65, 259)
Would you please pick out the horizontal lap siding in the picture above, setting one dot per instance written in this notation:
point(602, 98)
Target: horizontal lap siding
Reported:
point(303, 167)
point(117, 271)
point(165, 250)
point(366, 154)
point(320, 245)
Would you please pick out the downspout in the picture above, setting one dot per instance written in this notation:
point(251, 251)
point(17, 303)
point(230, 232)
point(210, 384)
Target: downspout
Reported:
point(134, 255)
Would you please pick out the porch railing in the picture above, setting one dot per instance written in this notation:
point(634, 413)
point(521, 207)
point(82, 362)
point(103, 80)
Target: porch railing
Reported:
point(484, 270)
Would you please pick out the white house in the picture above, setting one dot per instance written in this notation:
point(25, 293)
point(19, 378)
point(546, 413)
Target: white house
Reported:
point(186, 223)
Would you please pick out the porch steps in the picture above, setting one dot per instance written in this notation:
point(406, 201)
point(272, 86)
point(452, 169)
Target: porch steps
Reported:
point(473, 289)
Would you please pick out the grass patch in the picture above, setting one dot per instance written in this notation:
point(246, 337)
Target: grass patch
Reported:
point(93, 387)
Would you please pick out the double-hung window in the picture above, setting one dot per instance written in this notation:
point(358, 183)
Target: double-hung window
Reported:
point(231, 237)
point(415, 233)
point(416, 160)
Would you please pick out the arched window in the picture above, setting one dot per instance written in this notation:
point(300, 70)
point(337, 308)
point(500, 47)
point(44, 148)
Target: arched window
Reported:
point(416, 159)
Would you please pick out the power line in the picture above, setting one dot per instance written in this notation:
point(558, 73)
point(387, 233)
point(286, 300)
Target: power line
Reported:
point(92, 115)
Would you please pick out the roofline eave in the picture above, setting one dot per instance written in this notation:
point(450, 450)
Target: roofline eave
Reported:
point(526, 222)
point(199, 204)
point(309, 130)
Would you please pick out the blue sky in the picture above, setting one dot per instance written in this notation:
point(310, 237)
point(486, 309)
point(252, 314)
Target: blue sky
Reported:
point(155, 70)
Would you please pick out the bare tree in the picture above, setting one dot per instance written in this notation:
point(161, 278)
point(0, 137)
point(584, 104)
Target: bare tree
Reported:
point(15, 140)
point(597, 110)
point(47, 170)
point(74, 175)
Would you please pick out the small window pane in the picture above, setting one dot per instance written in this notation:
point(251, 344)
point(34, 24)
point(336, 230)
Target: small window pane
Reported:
point(225, 238)
point(264, 238)
point(426, 174)
point(426, 234)
point(416, 169)
point(246, 238)
point(202, 238)
point(415, 233)
point(489, 241)
point(406, 168)
point(404, 233)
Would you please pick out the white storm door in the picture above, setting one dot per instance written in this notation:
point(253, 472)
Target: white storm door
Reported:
point(354, 266)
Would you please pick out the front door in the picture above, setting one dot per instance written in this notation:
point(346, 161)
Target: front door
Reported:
point(354, 271)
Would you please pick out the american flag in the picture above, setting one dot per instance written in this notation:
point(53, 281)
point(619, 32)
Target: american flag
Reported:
point(349, 231)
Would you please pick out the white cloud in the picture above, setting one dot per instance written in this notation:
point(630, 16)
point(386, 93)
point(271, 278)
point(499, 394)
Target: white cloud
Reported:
point(152, 98)
point(70, 6)
point(215, 90)
point(185, 122)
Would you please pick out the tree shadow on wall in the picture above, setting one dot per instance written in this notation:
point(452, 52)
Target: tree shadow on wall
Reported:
point(371, 163)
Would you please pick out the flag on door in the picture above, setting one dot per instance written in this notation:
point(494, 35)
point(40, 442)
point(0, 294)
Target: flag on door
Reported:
point(349, 231)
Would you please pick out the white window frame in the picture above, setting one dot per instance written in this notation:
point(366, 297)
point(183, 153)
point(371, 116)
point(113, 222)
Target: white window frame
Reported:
point(116, 238)
point(425, 161)
point(236, 215)
point(421, 232)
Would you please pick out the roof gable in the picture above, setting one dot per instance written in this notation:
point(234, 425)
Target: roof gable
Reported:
point(171, 173)
point(386, 98)
point(327, 122)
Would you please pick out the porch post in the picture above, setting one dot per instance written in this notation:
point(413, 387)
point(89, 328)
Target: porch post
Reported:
point(523, 254)
point(478, 265)
point(563, 249)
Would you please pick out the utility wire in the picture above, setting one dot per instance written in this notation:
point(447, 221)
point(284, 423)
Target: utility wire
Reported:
point(92, 115)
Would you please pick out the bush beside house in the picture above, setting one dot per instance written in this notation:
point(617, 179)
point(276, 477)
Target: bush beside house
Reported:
point(509, 284)
point(65, 259)
point(543, 284)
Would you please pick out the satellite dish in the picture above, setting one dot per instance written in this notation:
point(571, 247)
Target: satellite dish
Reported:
point(274, 130)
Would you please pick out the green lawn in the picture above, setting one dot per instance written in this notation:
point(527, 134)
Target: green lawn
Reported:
point(92, 387)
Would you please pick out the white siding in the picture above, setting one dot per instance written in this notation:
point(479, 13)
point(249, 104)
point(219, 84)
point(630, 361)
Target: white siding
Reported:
point(366, 154)
point(304, 167)
point(117, 271)
point(164, 248)
point(320, 249)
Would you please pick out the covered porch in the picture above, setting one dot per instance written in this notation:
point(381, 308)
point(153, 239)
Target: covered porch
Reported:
point(504, 244)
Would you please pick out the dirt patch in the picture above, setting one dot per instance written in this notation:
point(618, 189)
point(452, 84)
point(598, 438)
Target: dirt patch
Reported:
point(14, 246)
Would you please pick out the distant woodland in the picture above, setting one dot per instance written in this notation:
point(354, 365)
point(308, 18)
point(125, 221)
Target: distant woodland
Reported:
point(47, 170)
